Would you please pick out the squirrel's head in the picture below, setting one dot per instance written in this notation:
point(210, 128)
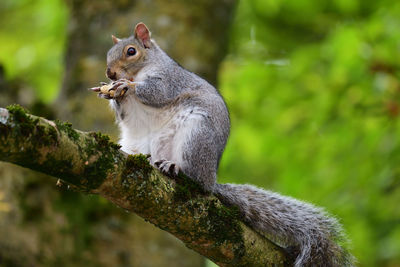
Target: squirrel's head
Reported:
point(128, 55)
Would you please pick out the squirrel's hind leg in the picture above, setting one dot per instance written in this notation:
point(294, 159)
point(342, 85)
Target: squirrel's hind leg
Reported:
point(186, 145)
point(161, 151)
point(195, 150)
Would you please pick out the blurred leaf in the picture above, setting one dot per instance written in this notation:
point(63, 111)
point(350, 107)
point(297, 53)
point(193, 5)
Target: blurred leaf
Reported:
point(32, 40)
point(314, 94)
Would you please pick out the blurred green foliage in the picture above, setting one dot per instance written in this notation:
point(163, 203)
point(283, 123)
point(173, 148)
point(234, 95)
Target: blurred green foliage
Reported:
point(32, 38)
point(314, 94)
point(313, 90)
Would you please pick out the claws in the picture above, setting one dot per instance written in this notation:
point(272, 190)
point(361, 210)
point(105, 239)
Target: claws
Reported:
point(105, 96)
point(114, 86)
point(167, 167)
point(95, 89)
point(98, 88)
point(114, 90)
point(122, 87)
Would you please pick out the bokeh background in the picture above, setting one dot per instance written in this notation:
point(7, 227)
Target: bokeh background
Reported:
point(312, 87)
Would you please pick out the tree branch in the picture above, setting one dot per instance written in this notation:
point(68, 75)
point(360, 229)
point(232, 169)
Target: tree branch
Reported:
point(92, 164)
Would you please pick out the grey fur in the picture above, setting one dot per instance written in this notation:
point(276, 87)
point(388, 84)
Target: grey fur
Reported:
point(290, 223)
point(182, 121)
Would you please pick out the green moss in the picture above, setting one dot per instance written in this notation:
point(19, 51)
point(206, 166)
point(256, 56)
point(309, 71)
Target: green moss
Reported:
point(18, 112)
point(66, 127)
point(101, 156)
point(25, 128)
point(52, 134)
point(138, 162)
point(186, 188)
point(46, 136)
point(106, 155)
point(225, 212)
point(137, 167)
point(5, 130)
point(221, 216)
point(94, 174)
point(104, 140)
point(22, 124)
point(96, 150)
point(56, 166)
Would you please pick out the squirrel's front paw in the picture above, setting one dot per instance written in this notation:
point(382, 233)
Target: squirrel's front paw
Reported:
point(167, 167)
point(114, 90)
point(121, 87)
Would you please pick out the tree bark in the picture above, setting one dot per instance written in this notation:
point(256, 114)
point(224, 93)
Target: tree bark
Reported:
point(90, 163)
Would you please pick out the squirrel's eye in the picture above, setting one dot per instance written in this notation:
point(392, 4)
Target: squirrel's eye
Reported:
point(131, 51)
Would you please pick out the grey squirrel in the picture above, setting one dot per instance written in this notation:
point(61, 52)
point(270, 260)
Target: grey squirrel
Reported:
point(182, 122)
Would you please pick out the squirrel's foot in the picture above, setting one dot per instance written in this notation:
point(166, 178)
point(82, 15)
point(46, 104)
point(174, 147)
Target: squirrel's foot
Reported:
point(167, 167)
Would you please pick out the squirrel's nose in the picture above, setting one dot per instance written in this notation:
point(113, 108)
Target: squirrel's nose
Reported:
point(111, 75)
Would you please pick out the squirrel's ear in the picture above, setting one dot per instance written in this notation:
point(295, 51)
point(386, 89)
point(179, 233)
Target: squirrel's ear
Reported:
point(115, 39)
point(143, 34)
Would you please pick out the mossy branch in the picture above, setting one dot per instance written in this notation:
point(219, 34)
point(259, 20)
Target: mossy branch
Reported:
point(92, 164)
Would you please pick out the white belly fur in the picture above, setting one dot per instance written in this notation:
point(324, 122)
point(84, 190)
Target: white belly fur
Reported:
point(143, 127)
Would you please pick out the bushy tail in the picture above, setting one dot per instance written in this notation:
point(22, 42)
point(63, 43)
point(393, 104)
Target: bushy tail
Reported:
point(316, 236)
